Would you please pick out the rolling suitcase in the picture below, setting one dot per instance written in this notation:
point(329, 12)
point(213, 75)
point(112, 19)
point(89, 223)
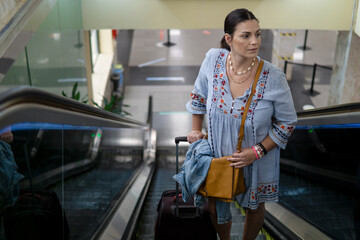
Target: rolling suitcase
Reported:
point(179, 220)
point(36, 215)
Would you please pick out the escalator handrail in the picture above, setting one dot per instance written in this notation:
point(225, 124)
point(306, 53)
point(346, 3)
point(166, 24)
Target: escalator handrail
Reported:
point(25, 95)
point(337, 109)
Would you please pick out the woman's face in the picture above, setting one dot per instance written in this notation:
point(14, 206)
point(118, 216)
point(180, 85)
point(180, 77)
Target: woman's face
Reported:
point(246, 39)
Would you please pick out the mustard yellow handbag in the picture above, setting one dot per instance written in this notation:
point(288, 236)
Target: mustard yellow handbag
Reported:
point(222, 181)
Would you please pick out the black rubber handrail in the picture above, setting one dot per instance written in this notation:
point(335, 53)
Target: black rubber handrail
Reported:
point(337, 109)
point(32, 95)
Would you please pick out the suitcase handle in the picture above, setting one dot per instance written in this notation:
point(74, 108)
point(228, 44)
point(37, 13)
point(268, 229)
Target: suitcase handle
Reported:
point(177, 140)
point(181, 139)
point(187, 212)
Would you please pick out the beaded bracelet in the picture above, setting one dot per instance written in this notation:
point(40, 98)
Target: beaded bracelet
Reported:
point(263, 148)
point(259, 150)
point(253, 147)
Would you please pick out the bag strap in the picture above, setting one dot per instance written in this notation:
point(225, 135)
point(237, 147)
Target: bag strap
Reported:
point(241, 132)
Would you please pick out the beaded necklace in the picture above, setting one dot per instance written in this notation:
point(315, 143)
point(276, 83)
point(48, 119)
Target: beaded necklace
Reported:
point(242, 72)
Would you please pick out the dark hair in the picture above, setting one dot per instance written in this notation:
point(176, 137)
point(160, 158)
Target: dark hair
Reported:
point(232, 19)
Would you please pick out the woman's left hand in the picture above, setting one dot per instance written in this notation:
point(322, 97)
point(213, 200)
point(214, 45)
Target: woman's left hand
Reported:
point(242, 159)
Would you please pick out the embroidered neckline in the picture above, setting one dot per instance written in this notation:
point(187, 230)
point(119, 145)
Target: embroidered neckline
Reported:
point(222, 100)
point(248, 90)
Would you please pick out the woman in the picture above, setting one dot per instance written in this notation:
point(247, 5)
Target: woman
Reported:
point(9, 177)
point(221, 91)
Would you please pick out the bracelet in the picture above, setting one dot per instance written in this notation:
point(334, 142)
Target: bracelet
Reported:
point(263, 148)
point(259, 151)
point(253, 147)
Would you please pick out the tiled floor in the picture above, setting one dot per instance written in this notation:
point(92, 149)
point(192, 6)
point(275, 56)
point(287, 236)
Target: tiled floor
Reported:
point(189, 49)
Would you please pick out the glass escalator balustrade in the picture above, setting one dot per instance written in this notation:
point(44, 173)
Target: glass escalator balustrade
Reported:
point(320, 177)
point(87, 167)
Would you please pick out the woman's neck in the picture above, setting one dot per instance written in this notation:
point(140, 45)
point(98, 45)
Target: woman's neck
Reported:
point(240, 63)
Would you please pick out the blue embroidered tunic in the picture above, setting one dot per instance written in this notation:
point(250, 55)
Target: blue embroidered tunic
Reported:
point(271, 113)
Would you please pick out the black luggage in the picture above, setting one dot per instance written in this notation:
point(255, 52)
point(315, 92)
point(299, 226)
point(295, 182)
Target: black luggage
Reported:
point(179, 220)
point(37, 214)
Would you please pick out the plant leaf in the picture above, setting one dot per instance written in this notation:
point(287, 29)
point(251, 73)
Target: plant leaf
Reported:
point(74, 89)
point(127, 113)
point(106, 102)
point(112, 100)
point(84, 99)
point(95, 103)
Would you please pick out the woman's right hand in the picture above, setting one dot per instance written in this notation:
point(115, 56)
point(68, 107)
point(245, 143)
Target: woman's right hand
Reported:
point(195, 135)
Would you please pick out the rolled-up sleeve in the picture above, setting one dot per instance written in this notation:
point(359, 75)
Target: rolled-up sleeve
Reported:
point(198, 97)
point(284, 117)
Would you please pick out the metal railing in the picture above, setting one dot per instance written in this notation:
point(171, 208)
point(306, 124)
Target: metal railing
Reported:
point(314, 66)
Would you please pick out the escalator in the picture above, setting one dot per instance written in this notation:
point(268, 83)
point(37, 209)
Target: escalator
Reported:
point(103, 169)
point(319, 181)
point(319, 177)
point(98, 163)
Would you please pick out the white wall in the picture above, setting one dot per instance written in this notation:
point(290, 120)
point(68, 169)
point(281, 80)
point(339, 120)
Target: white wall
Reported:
point(357, 22)
point(202, 14)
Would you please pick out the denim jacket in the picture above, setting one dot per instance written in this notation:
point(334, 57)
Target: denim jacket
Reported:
point(9, 177)
point(193, 174)
point(195, 168)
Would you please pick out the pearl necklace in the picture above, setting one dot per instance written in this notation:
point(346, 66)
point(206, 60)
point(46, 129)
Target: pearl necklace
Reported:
point(238, 82)
point(243, 72)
